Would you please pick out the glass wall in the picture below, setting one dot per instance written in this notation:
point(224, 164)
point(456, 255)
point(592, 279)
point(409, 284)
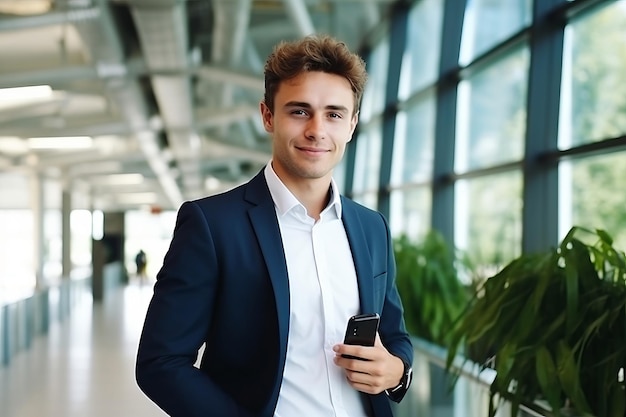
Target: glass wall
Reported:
point(368, 140)
point(488, 23)
point(593, 119)
point(493, 95)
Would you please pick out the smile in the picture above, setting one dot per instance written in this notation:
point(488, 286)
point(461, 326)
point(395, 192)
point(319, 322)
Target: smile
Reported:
point(312, 150)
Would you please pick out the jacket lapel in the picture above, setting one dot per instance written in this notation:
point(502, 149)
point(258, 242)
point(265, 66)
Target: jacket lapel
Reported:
point(360, 255)
point(263, 218)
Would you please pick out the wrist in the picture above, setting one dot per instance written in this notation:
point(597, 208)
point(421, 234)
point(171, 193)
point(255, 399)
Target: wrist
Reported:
point(397, 393)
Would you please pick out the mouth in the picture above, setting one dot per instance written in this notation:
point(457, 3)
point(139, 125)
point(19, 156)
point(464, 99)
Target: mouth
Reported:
point(312, 151)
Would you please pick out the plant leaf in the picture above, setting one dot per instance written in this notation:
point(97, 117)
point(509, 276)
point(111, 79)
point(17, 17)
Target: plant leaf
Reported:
point(547, 378)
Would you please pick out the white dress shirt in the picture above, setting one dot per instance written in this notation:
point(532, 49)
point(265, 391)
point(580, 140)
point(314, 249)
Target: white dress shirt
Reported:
point(323, 295)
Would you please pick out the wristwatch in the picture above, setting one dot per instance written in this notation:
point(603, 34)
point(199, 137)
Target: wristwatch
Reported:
point(397, 393)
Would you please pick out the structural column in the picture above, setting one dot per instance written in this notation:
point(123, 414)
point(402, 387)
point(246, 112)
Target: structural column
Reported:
point(37, 205)
point(66, 231)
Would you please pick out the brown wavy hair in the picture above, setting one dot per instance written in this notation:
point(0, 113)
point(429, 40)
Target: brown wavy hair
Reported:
point(313, 53)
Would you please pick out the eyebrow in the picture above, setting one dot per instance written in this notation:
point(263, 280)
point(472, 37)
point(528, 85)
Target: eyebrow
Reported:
point(308, 106)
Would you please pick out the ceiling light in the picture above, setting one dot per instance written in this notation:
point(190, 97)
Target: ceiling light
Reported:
point(68, 142)
point(136, 198)
point(25, 93)
point(13, 145)
point(25, 7)
point(120, 179)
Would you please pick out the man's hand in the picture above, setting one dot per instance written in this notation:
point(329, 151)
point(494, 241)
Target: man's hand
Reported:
point(379, 370)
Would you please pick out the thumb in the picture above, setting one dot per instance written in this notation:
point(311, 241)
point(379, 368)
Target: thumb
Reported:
point(377, 341)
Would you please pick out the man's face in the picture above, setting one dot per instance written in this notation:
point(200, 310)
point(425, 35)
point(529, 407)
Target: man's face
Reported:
point(312, 123)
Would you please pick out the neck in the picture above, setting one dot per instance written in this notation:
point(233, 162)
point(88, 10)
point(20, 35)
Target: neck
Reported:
point(314, 197)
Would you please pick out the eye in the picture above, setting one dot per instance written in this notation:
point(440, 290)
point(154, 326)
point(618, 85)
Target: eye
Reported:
point(334, 115)
point(299, 112)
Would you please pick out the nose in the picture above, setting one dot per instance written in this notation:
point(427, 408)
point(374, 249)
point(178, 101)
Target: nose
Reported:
point(315, 129)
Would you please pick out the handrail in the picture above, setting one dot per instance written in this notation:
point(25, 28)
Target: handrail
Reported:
point(465, 367)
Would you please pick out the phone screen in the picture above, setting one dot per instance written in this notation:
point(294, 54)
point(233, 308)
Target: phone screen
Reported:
point(361, 330)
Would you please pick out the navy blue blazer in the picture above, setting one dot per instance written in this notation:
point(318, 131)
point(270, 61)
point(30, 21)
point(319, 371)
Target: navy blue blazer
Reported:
point(224, 283)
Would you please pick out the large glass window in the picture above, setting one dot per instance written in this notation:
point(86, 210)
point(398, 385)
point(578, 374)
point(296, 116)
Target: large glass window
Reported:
point(492, 114)
point(367, 163)
point(592, 195)
point(413, 146)
point(593, 103)
point(489, 22)
point(412, 170)
point(410, 212)
point(373, 101)
point(421, 59)
point(489, 218)
point(369, 140)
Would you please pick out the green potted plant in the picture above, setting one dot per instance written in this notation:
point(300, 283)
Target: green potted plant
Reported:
point(433, 297)
point(427, 279)
point(553, 326)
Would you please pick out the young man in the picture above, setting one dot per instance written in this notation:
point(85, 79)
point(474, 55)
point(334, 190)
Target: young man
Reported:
point(267, 275)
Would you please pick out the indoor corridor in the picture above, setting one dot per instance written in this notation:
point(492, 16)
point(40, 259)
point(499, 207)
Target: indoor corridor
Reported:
point(84, 365)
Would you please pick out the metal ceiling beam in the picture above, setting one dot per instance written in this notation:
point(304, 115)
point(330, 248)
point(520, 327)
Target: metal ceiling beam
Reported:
point(74, 159)
point(226, 75)
point(163, 35)
point(230, 27)
point(298, 12)
point(48, 19)
point(48, 76)
point(104, 42)
point(133, 68)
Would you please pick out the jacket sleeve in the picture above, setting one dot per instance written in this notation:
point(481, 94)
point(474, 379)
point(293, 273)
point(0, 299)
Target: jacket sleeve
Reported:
point(393, 330)
point(176, 324)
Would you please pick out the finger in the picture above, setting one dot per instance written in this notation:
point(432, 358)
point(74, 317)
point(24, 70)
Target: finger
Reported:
point(364, 382)
point(351, 352)
point(360, 378)
point(352, 365)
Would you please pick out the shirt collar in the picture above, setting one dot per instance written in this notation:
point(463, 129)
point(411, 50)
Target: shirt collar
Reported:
point(284, 200)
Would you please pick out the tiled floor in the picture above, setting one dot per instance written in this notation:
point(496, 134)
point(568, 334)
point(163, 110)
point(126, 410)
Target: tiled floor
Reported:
point(84, 366)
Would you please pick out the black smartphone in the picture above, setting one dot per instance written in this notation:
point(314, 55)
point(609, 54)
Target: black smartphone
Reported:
point(361, 330)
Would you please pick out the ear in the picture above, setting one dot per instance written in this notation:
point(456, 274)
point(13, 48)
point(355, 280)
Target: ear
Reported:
point(267, 117)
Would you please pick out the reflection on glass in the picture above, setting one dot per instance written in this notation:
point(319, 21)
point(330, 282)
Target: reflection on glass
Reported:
point(492, 114)
point(489, 22)
point(367, 163)
point(373, 101)
point(593, 103)
point(489, 218)
point(410, 212)
point(421, 59)
point(592, 196)
point(414, 142)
